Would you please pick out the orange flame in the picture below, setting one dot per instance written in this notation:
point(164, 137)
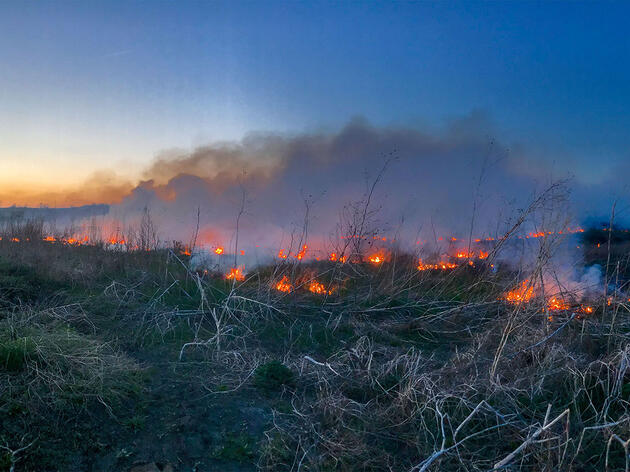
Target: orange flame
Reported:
point(334, 257)
point(281, 254)
point(218, 250)
point(586, 309)
point(235, 274)
point(439, 266)
point(521, 294)
point(557, 304)
point(284, 285)
point(318, 288)
point(300, 255)
point(376, 258)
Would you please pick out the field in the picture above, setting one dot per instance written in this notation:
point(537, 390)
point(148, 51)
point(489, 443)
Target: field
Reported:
point(135, 360)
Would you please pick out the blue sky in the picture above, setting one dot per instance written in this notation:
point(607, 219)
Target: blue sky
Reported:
point(91, 85)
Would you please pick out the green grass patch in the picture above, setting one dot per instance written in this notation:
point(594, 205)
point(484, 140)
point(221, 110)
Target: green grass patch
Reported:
point(272, 376)
point(15, 353)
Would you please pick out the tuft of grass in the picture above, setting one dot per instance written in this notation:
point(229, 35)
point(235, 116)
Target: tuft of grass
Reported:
point(272, 376)
point(15, 353)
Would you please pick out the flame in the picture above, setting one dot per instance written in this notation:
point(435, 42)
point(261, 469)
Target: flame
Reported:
point(376, 258)
point(50, 239)
point(334, 257)
point(318, 288)
point(446, 265)
point(439, 266)
point(463, 254)
point(557, 304)
point(282, 255)
point(521, 294)
point(218, 250)
point(586, 309)
point(300, 255)
point(76, 242)
point(235, 274)
point(284, 285)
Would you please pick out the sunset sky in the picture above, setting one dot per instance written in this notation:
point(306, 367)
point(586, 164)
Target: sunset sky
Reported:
point(107, 86)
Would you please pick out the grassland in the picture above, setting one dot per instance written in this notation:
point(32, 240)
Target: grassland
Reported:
point(115, 360)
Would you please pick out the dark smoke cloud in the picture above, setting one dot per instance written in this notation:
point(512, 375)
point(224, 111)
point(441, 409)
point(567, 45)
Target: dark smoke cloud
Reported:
point(433, 181)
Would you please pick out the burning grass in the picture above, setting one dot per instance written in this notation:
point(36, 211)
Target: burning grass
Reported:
point(358, 364)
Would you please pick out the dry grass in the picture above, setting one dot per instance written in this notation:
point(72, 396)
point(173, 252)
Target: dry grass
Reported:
point(393, 369)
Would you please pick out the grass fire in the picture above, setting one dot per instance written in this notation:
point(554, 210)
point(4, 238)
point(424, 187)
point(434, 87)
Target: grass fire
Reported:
point(359, 331)
point(314, 236)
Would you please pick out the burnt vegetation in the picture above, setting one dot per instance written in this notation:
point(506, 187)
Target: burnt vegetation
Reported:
point(135, 357)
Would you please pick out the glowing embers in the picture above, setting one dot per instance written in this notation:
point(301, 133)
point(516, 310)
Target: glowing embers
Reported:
point(543, 234)
point(522, 294)
point(557, 304)
point(218, 250)
point(376, 259)
point(114, 241)
point(439, 266)
point(334, 257)
point(76, 242)
point(464, 254)
point(318, 288)
point(235, 273)
point(300, 255)
point(284, 285)
point(585, 310)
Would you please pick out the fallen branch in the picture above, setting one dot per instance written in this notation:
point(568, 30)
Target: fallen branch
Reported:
point(546, 425)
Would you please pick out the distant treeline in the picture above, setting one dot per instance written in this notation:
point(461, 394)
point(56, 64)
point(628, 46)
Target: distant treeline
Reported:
point(48, 214)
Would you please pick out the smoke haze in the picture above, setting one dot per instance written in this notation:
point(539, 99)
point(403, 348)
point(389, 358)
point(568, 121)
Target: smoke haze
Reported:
point(457, 180)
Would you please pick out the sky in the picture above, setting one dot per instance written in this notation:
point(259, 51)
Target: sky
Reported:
point(104, 87)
